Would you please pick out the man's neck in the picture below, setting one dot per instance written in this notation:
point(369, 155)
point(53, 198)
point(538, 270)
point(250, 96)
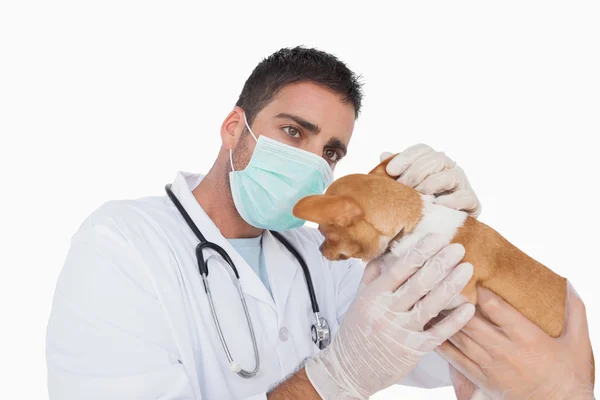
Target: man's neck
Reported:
point(214, 196)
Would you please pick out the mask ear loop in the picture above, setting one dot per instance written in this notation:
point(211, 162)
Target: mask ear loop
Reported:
point(231, 161)
point(254, 137)
point(248, 126)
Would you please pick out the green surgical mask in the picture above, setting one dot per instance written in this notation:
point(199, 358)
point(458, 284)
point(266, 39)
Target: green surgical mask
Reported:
point(276, 178)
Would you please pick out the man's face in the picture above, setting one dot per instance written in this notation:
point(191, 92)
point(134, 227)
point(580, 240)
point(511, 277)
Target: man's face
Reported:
point(303, 115)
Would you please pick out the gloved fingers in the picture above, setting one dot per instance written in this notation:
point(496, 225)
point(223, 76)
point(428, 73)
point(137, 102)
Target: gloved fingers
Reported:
point(385, 155)
point(471, 349)
point(462, 200)
point(453, 323)
point(405, 159)
point(413, 343)
point(447, 180)
point(576, 325)
point(398, 268)
point(436, 269)
point(487, 335)
point(427, 165)
point(433, 303)
point(462, 363)
point(373, 269)
point(463, 388)
point(505, 318)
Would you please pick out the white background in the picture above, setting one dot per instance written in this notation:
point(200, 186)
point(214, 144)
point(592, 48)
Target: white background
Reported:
point(104, 100)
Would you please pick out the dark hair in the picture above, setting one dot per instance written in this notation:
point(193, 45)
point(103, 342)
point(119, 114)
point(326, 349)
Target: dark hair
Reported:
point(290, 65)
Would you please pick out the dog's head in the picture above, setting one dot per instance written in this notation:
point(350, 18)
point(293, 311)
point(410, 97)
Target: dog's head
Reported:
point(360, 214)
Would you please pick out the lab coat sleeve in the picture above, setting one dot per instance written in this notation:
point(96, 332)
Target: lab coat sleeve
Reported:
point(431, 372)
point(107, 336)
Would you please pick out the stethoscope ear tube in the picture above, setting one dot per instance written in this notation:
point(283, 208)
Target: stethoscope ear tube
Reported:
point(307, 276)
point(201, 261)
point(213, 246)
point(184, 214)
point(320, 331)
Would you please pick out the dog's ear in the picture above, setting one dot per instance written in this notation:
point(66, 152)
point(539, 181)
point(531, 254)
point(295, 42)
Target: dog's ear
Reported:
point(380, 169)
point(328, 209)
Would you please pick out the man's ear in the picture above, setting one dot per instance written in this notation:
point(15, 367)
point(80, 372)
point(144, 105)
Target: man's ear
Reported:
point(232, 128)
point(380, 169)
point(328, 209)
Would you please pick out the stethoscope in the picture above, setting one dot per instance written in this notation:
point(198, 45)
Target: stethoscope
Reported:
point(320, 329)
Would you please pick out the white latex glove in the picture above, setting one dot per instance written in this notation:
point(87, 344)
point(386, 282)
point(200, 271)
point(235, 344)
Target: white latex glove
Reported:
point(433, 172)
point(381, 338)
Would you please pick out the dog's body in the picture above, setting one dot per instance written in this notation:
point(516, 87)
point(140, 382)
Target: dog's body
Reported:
point(365, 215)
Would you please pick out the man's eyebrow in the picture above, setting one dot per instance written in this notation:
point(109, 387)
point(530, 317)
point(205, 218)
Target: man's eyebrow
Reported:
point(337, 144)
point(309, 126)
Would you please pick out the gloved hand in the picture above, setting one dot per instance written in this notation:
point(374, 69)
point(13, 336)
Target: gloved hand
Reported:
point(509, 357)
point(432, 172)
point(464, 389)
point(381, 338)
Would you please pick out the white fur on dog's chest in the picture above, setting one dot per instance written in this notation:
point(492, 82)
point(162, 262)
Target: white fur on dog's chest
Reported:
point(435, 219)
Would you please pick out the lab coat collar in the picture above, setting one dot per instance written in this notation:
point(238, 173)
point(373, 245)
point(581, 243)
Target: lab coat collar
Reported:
point(182, 187)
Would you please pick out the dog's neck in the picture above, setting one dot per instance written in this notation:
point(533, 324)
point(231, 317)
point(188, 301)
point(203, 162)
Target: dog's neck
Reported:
point(435, 218)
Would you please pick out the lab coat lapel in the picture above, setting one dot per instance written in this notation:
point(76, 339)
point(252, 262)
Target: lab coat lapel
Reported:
point(282, 268)
point(251, 284)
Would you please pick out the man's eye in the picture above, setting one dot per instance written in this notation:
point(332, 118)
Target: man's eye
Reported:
point(332, 155)
point(291, 131)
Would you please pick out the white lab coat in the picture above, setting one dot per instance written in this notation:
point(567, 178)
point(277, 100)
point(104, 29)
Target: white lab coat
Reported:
point(130, 318)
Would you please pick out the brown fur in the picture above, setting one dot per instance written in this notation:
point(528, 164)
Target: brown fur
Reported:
point(353, 222)
point(360, 214)
point(533, 289)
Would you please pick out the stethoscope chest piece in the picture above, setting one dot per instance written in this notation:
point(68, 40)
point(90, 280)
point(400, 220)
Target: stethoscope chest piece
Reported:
point(320, 333)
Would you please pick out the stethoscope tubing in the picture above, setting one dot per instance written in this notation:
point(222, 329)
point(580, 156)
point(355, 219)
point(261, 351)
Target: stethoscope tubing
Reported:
point(320, 330)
